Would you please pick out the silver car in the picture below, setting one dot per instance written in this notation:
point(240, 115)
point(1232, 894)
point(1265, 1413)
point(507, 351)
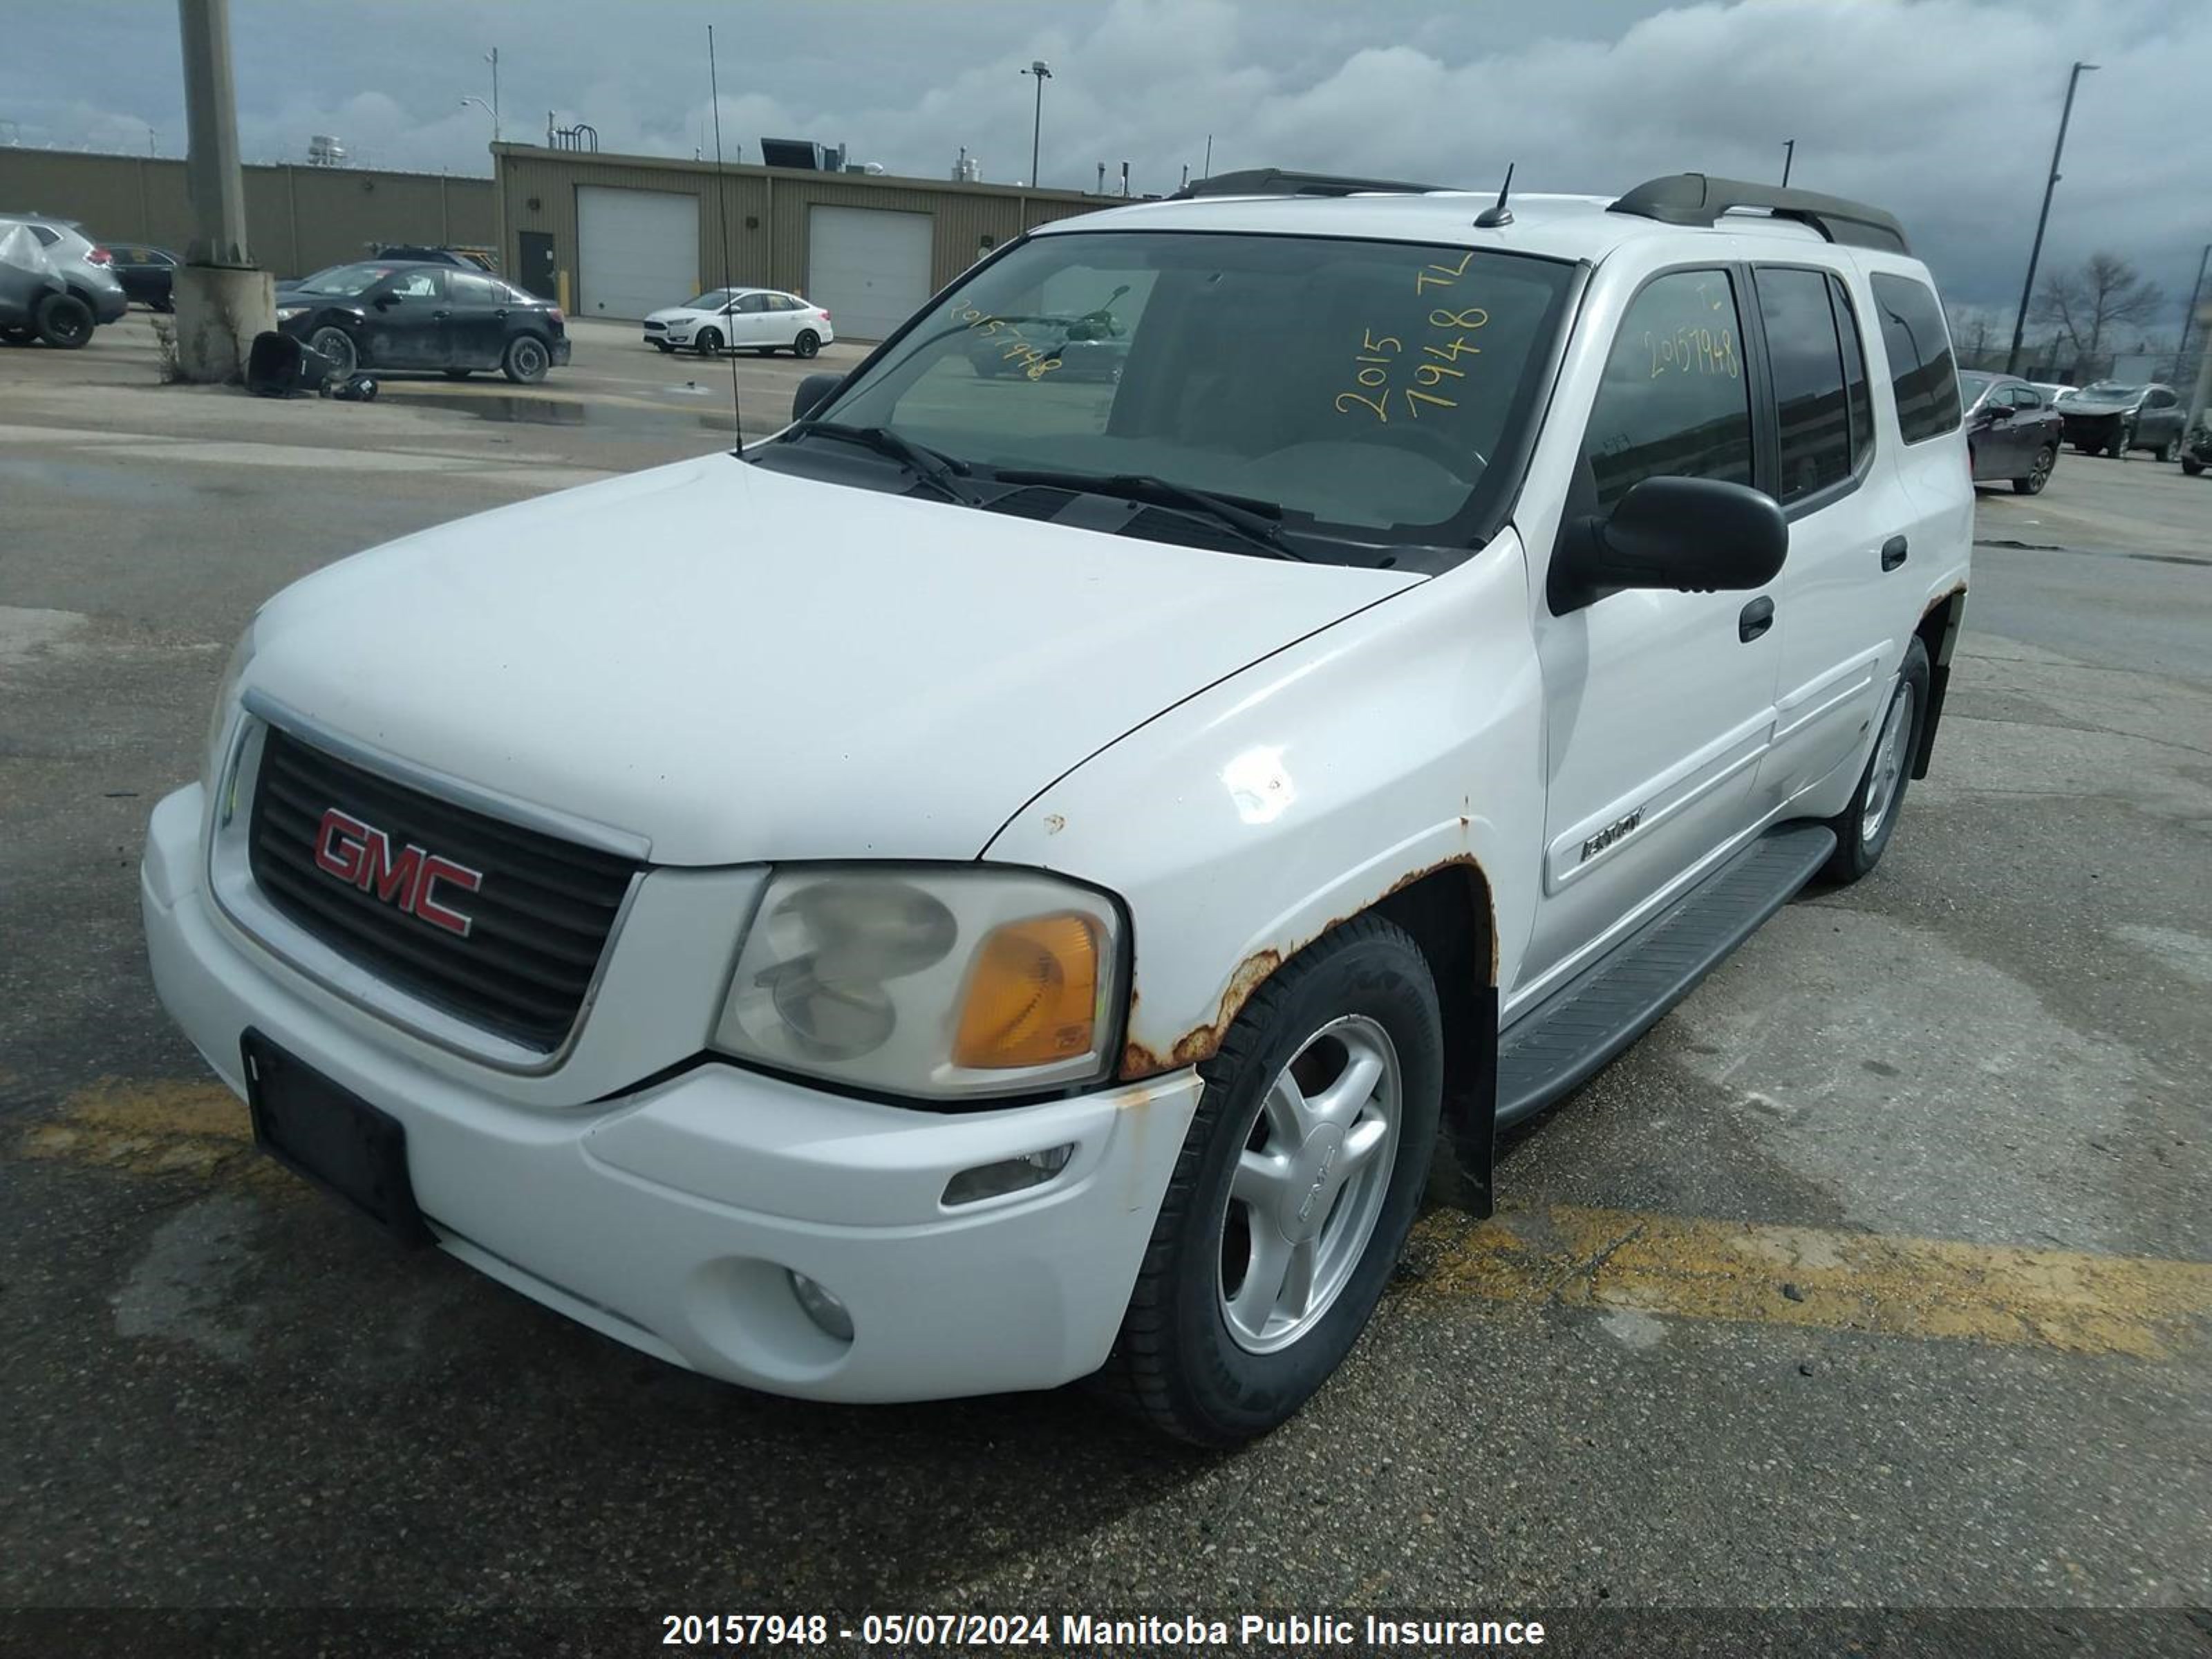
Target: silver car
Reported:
point(78, 261)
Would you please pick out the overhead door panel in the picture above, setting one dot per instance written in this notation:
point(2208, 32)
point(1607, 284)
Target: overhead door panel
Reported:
point(637, 251)
point(868, 268)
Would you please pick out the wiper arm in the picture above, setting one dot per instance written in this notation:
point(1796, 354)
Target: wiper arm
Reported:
point(1253, 524)
point(932, 469)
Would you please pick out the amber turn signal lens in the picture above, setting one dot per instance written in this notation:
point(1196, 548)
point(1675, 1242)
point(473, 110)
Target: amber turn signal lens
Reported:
point(1032, 995)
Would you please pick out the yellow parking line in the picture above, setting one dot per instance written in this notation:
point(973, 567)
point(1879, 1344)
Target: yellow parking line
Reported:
point(1832, 1280)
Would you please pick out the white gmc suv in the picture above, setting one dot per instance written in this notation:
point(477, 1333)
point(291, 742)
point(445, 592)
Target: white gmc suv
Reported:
point(1011, 879)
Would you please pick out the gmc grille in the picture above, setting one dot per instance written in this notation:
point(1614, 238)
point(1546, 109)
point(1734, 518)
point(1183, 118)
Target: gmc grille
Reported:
point(537, 924)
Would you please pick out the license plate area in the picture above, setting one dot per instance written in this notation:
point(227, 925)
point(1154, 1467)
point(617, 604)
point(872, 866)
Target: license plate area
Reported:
point(327, 1133)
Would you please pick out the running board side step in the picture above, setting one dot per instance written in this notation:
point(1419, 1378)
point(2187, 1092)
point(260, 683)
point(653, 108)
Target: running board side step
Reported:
point(1564, 1040)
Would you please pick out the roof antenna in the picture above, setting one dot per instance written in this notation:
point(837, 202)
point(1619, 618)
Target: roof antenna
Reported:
point(1497, 213)
point(722, 219)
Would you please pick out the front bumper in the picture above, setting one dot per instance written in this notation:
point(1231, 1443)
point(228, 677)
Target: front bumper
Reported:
point(668, 1217)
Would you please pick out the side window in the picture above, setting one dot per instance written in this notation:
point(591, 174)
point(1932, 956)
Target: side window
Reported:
point(416, 285)
point(46, 238)
point(753, 302)
point(2159, 399)
point(468, 289)
point(1808, 368)
point(1674, 401)
point(2026, 397)
point(1921, 377)
point(1855, 395)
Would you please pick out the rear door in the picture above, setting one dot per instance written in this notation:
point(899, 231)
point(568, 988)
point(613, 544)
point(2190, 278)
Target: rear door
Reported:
point(1837, 621)
point(476, 320)
point(2159, 423)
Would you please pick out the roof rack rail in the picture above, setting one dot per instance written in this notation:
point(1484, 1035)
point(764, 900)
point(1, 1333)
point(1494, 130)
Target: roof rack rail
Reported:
point(1691, 199)
point(1278, 181)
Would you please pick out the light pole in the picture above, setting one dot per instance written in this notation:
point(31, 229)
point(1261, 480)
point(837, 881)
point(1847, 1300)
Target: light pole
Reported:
point(2035, 252)
point(1042, 71)
point(492, 57)
point(2181, 351)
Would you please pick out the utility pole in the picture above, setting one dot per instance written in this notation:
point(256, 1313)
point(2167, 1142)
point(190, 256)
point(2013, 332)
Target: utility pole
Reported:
point(492, 57)
point(1788, 154)
point(2181, 351)
point(1042, 71)
point(221, 299)
point(2035, 251)
point(1209, 156)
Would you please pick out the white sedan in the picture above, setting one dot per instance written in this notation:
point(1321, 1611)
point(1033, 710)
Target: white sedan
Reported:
point(762, 320)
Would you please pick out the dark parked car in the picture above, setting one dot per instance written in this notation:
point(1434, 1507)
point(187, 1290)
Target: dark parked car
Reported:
point(2196, 446)
point(2113, 416)
point(385, 315)
point(147, 273)
point(2013, 431)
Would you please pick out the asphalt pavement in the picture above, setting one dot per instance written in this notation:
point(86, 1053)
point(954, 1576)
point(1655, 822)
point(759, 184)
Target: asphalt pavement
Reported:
point(1876, 1276)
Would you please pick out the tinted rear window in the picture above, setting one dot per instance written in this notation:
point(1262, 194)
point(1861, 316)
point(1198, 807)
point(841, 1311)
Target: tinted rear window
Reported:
point(1921, 377)
point(1808, 368)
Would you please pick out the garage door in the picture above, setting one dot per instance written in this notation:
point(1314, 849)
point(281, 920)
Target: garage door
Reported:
point(868, 269)
point(637, 251)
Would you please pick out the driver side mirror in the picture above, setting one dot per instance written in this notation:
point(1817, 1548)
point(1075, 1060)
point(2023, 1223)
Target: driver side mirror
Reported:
point(814, 391)
point(1694, 535)
point(2000, 411)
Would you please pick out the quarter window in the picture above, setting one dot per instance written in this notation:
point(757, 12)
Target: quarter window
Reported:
point(1922, 376)
point(1808, 368)
point(1673, 402)
point(1856, 394)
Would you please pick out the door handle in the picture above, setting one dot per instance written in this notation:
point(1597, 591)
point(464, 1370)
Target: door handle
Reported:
point(1754, 619)
point(1892, 553)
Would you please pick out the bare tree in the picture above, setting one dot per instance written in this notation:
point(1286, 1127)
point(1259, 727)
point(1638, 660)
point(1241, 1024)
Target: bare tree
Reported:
point(2104, 290)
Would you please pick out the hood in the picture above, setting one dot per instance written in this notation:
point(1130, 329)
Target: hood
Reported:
point(676, 314)
point(738, 665)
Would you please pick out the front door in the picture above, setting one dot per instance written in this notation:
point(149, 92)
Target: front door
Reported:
point(1660, 702)
point(405, 329)
point(752, 324)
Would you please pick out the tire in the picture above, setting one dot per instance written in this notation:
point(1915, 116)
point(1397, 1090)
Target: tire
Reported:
point(706, 342)
point(14, 335)
point(2085, 449)
point(335, 344)
point(2123, 440)
point(1194, 1358)
point(65, 321)
point(807, 344)
point(527, 360)
point(457, 374)
point(2191, 466)
point(1863, 829)
point(664, 347)
point(2039, 472)
point(2166, 451)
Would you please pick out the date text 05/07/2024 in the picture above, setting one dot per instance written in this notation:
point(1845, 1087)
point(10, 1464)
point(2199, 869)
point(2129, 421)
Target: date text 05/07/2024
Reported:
point(1087, 1630)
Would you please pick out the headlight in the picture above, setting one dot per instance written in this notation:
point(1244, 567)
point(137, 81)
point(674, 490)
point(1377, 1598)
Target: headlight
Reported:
point(286, 313)
point(226, 702)
point(944, 981)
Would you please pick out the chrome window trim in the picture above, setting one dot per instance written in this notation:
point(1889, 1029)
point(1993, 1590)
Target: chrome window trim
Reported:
point(240, 900)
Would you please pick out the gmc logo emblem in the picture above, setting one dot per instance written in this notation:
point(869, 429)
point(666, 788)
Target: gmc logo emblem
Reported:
point(359, 855)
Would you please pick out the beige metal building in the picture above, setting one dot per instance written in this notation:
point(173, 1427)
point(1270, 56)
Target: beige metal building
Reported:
point(298, 219)
point(618, 236)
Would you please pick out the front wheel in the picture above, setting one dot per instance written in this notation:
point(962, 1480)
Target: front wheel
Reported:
point(706, 342)
point(807, 344)
point(2166, 451)
point(1863, 829)
point(664, 347)
point(2191, 466)
point(2039, 472)
point(65, 320)
point(336, 344)
point(1293, 1193)
point(527, 360)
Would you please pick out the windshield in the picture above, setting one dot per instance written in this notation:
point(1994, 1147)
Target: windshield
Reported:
point(711, 300)
point(344, 280)
point(2114, 390)
point(1360, 386)
point(1973, 387)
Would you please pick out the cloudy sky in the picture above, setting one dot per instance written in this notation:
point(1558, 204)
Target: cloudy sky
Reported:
point(1942, 109)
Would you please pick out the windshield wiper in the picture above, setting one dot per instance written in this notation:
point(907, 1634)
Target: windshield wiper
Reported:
point(1254, 525)
point(932, 469)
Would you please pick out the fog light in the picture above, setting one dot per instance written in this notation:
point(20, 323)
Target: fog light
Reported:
point(1012, 1175)
point(827, 1312)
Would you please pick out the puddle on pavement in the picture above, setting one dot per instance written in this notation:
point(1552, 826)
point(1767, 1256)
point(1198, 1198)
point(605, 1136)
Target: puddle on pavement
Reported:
point(547, 411)
point(117, 480)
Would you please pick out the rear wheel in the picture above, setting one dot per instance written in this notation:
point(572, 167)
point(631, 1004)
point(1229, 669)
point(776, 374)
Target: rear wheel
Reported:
point(1293, 1193)
point(65, 320)
point(335, 344)
point(13, 335)
point(2166, 451)
point(706, 342)
point(527, 360)
point(2039, 472)
point(807, 344)
point(2191, 466)
point(1863, 829)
